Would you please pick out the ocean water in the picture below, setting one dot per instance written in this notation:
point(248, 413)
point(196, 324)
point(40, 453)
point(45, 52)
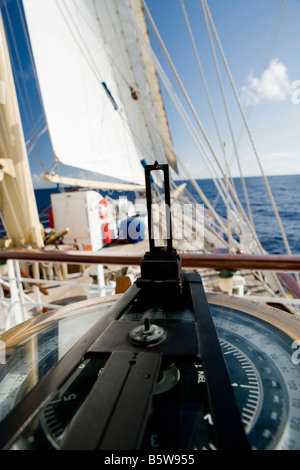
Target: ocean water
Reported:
point(286, 192)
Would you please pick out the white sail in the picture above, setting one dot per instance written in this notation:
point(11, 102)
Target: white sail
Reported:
point(96, 107)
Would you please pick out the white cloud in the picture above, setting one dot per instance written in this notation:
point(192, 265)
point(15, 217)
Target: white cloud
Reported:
point(280, 163)
point(39, 182)
point(278, 156)
point(274, 85)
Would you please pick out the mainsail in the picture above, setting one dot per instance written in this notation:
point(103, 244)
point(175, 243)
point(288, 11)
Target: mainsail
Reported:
point(100, 91)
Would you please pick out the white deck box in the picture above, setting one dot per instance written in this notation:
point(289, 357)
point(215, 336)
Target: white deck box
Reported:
point(79, 212)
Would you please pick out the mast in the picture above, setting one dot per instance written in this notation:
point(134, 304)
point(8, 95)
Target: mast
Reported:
point(17, 205)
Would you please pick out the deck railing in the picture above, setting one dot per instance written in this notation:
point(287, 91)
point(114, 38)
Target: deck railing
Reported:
point(18, 303)
point(278, 263)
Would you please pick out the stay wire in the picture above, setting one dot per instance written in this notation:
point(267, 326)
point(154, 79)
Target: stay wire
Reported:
point(248, 129)
point(179, 106)
point(227, 114)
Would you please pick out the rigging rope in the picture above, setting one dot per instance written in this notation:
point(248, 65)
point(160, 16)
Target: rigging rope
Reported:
point(227, 115)
point(227, 174)
point(202, 74)
point(178, 104)
point(248, 129)
point(203, 79)
point(191, 128)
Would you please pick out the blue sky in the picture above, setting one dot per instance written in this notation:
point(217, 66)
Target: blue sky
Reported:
point(245, 29)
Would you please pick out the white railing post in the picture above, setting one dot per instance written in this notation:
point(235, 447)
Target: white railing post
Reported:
point(15, 313)
point(101, 280)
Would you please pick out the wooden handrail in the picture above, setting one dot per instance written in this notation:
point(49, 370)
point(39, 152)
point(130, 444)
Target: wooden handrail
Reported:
point(278, 263)
point(253, 262)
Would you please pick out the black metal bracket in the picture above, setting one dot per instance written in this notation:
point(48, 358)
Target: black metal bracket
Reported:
point(161, 265)
point(228, 427)
point(115, 413)
point(148, 170)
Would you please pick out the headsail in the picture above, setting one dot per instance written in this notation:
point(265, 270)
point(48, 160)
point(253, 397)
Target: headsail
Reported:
point(96, 90)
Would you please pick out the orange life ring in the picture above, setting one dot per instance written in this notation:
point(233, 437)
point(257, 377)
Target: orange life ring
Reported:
point(103, 208)
point(107, 233)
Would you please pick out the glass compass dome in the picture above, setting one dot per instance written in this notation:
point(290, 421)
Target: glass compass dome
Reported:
point(258, 345)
